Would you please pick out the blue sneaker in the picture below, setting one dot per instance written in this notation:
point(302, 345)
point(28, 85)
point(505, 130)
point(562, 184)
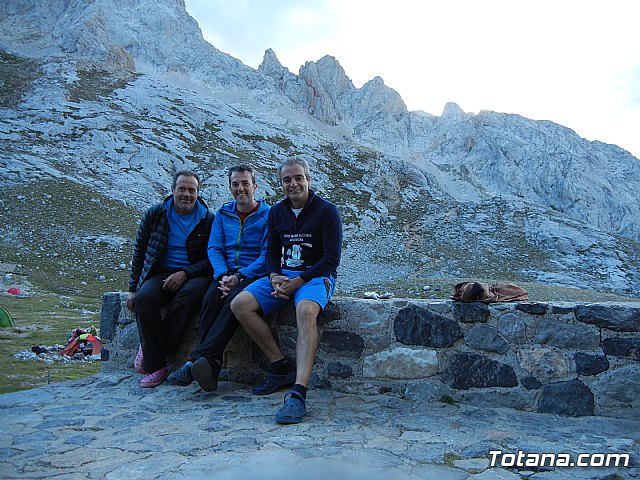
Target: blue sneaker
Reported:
point(273, 383)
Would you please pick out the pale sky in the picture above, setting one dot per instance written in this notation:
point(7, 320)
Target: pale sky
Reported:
point(574, 62)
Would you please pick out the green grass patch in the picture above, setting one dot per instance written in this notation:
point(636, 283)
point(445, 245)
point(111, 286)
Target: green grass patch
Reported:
point(282, 142)
point(43, 319)
point(344, 169)
point(68, 238)
point(17, 75)
point(93, 84)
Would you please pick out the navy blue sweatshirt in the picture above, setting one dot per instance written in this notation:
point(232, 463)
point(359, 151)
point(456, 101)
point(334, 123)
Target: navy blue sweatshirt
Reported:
point(310, 244)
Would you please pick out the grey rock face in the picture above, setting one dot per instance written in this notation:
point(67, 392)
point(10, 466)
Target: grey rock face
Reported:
point(110, 312)
point(579, 337)
point(587, 364)
point(470, 312)
point(545, 364)
point(530, 383)
point(342, 343)
point(513, 327)
point(115, 95)
point(619, 318)
point(622, 347)
point(339, 370)
point(470, 370)
point(487, 338)
point(567, 398)
point(401, 363)
point(418, 326)
point(618, 390)
point(533, 308)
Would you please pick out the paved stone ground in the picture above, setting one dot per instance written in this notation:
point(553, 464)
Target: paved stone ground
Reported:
point(107, 427)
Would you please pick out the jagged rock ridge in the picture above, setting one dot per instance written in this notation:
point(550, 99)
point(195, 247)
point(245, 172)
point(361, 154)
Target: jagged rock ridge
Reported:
point(117, 94)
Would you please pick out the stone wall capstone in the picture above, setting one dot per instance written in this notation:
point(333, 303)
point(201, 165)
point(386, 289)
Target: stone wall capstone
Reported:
point(562, 358)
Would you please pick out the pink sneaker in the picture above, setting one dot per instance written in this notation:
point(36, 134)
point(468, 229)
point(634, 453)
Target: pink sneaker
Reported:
point(138, 363)
point(154, 379)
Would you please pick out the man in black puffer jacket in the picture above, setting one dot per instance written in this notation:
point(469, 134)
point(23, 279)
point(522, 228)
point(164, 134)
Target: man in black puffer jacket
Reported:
point(170, 268)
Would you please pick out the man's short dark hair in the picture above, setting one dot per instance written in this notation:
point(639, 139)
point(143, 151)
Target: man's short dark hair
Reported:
point(242, 168)
point(186, 173)
point(295, 160)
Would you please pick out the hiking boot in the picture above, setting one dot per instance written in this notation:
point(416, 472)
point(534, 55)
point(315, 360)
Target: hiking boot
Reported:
point(206, 374)
point(273, 383)
point(181, 377)
point(154, 379)
point(138, 363)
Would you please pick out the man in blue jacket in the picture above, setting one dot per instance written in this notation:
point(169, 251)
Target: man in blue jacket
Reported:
point(237, 247)
point(304, 242)
point(170, 268)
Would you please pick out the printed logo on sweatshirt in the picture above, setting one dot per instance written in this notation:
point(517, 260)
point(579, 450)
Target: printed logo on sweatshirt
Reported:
point(293, 255)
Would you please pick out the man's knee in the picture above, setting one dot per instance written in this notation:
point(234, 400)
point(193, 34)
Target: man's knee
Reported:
point(146, 298)
point(194, 288)
point(307, 312)
point(243, 303)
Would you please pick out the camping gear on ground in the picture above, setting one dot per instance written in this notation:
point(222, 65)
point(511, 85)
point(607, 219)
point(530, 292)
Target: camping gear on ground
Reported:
point(486, 293)
point(84, 341)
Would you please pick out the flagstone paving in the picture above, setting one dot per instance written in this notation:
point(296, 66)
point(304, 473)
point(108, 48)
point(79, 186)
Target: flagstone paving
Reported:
point(107, 427)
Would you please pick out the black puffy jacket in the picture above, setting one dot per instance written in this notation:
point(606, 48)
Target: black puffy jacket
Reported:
point(151, 242)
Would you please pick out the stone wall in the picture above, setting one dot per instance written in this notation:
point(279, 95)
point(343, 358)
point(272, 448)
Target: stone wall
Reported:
point(571, 359)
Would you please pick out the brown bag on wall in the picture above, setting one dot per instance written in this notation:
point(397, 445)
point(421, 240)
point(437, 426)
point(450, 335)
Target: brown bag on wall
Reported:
point(483, 292)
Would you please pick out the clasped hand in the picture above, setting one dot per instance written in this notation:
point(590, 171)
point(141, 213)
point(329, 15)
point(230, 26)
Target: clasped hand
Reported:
point(227, 282)
point(284, 287)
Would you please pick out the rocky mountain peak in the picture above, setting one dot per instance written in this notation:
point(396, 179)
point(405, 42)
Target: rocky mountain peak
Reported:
point(375, 97)
point(107, 98)
point(328, 75)
point(271, 66)
point(453, 111)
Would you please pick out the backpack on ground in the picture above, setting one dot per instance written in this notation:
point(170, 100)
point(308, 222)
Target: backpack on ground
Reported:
point(486, 293)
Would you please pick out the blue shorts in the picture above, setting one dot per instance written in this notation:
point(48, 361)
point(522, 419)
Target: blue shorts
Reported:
point(318, 289)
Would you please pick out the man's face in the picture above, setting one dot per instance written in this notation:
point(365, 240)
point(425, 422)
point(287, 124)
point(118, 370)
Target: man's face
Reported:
point(242, 188)
point(295, 184)
point(185, 194)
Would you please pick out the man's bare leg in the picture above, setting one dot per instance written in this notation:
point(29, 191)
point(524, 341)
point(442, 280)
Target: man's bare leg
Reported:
point(245, 307)
point(307, 312)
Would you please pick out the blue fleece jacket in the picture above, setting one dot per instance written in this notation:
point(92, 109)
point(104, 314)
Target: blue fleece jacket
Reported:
point(237, 247)
point(310, 243)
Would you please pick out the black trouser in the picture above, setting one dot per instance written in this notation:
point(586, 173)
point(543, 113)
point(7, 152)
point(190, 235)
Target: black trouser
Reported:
point(161, 336)
point(217, 322)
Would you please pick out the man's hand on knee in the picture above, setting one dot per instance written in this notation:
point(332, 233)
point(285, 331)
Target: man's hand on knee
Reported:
point(174, 281)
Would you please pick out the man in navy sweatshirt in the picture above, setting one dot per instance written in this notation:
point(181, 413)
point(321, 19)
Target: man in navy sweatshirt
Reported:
point(304, 243)
point(237, 247)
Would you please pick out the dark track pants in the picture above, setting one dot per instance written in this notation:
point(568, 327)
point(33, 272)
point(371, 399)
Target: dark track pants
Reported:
point(161, 336)
point(217, 322)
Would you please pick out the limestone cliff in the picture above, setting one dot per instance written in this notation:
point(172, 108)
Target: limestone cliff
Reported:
point(107, 98)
